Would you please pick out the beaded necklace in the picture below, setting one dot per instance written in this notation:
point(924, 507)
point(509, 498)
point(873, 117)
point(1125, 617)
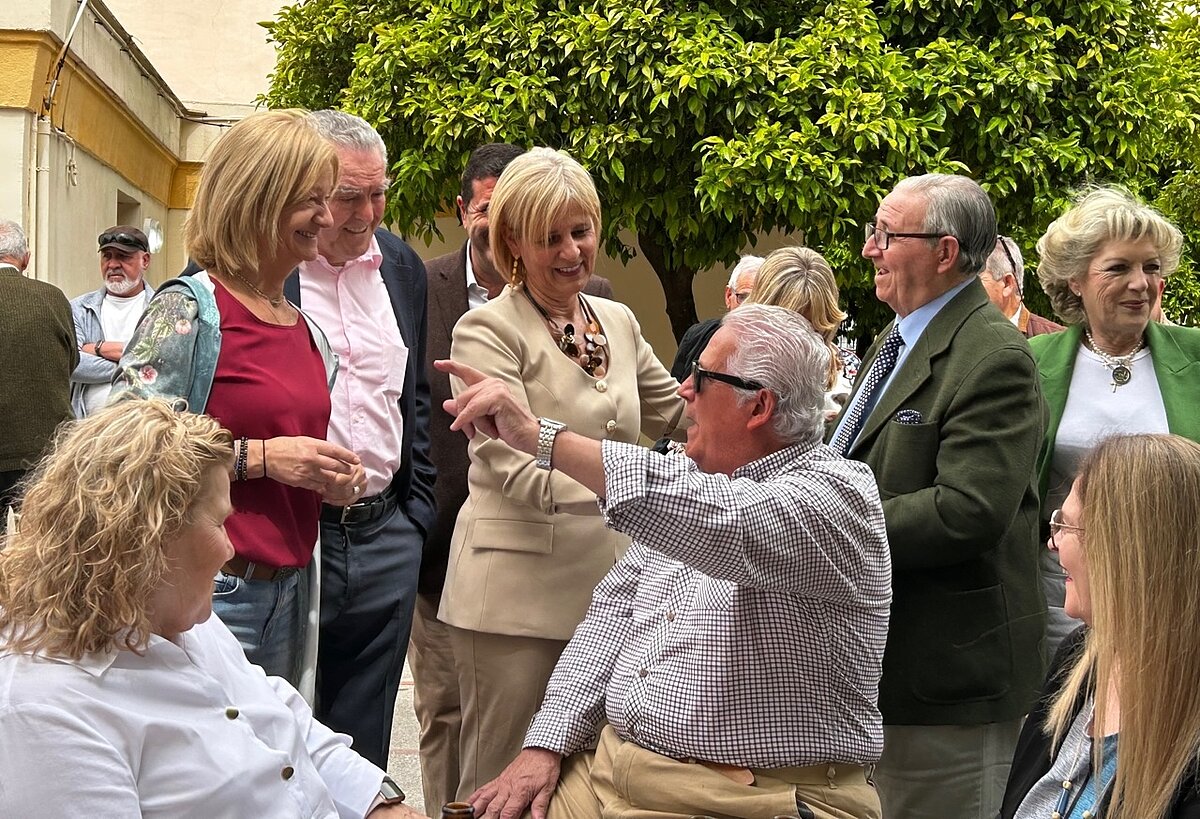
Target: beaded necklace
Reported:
point(592, 353)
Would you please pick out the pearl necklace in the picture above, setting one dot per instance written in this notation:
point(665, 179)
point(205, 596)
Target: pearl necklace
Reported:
point(1121, 366)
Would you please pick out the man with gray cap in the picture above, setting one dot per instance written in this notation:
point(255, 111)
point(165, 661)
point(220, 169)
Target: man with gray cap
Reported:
point(105, 318)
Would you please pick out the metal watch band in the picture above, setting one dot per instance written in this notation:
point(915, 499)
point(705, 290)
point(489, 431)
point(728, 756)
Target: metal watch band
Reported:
point(547, 431)
point(389, 792)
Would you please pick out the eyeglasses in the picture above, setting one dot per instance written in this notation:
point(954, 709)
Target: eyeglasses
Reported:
point(741, 297)
point(127, 239)
point(699, 374)
point(883, 237)
point(1057, 525)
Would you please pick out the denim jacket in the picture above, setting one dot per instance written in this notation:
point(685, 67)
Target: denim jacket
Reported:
point(174, 350)
point(91, 369)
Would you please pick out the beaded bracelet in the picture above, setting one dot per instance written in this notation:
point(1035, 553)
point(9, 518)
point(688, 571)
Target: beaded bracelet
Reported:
point(239, 467)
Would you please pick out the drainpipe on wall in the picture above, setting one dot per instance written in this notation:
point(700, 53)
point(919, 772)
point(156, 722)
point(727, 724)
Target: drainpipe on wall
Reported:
point(41, 187)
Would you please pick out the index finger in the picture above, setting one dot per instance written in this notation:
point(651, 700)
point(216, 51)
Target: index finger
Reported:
point(468, 374)
point(338, 453)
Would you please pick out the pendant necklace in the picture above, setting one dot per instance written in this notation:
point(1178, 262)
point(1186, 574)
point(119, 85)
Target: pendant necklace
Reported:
point(593, 351)
point(1121, 366)
point(274, 301)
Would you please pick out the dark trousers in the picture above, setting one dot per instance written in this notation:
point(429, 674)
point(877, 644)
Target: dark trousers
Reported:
point(8, 492)
point(368, 590)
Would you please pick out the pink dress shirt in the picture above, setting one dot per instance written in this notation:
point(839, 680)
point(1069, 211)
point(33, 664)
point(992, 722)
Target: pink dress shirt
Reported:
point(351, 304)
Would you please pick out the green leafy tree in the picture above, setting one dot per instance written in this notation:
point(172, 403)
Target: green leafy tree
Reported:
point(706, 124)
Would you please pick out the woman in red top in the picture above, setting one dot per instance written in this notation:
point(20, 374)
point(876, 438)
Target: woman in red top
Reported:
point(232, 346)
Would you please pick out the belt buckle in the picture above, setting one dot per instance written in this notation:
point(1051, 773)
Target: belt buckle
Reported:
point(345, 511)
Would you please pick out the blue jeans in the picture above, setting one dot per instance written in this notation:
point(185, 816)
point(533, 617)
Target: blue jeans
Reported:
point(268, 619)
point(368, 590)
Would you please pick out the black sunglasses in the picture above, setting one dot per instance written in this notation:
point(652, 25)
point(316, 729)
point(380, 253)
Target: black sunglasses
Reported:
point(126, 239)
point(699, 374)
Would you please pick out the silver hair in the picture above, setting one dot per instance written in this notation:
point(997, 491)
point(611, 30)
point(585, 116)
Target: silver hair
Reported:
point(348, 131)
point(1000, 265)
point(744, 265)
point(13, 244)
point(779, 349)
point(956, 206)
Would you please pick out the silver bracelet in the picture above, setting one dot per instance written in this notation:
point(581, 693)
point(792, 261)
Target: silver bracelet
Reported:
point(547, 431)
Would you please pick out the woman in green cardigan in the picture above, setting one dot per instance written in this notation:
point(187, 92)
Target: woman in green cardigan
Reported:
point(1113, 370)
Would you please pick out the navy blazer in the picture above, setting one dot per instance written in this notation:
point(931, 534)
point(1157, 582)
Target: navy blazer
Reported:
point(403, 273)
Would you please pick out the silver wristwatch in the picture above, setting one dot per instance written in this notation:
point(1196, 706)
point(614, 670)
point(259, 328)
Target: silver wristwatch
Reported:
point(547, 431)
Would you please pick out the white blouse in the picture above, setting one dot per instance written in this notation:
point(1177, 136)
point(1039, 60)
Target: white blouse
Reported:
point(188, 729)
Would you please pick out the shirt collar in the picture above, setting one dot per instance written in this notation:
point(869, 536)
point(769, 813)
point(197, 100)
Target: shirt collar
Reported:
point(372, 259)
point(914, 324)
point(5, 267)
point(770, 465)
point(472, 282)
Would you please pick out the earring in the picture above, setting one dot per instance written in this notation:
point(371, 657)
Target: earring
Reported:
point(512, 276)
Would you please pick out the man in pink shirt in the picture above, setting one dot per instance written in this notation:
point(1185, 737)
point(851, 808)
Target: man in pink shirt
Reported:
point(367, 291)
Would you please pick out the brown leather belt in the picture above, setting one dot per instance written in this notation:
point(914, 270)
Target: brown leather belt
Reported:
point(241, 567)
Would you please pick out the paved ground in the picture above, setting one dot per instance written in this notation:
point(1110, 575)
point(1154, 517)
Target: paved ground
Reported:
point(404, 762)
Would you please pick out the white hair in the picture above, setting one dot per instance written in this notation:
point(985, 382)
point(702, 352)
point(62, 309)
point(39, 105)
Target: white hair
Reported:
point(999, 265)
point(13, 244)
point(344, 130)
point(780, 350)
point(746, 264)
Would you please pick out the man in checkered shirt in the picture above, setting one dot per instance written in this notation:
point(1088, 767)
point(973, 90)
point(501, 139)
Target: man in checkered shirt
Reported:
point(735, 651)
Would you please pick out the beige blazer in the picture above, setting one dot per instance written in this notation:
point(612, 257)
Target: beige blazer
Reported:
point(529, 544)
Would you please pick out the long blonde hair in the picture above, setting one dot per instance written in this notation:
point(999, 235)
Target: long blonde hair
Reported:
point(1141, 544)
point(77, 575)
point(799, 279)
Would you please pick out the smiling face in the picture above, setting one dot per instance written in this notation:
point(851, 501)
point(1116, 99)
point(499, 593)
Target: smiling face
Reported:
point(123, 270)
point(184, 597)
point(1073, 559)
point(911, 272)
point(1119, 290)
point(300, 225)
point(558, 265)
point(356, 206)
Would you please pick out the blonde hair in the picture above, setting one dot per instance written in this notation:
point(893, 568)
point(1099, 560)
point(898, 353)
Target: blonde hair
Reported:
point(265, 163)
point(535, 189)
point(800, 279)
point(1099, 215)
point(77, 575)
point(1142, 547)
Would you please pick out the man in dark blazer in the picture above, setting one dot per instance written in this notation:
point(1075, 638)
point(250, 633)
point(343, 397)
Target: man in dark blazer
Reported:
point(367, 290)
point(458, 282)
point(947, 411)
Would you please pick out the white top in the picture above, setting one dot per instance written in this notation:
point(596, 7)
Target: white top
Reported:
point(189, 729)
point(118, 317)
point(477, 295)
point(1094, 411)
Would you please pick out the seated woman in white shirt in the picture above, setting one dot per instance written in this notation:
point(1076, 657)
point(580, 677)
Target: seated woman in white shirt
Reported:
point(121, 694)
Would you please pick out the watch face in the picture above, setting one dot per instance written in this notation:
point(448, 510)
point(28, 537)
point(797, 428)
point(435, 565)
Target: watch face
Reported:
point(390, 791)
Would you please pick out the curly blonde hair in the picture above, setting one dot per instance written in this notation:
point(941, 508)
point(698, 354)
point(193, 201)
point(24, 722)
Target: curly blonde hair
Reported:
point(799, 279)
point(535, 189)
point(77, 575)
point(1099, 215)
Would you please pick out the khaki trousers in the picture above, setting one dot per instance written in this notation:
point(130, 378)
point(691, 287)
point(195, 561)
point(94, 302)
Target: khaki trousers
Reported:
point(435, 700)
point(622, 780)
point(501, 681)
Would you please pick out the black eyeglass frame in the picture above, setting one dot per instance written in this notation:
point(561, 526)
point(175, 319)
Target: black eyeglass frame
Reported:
point(699, 374)
point(1017, 274)
point(871, 230)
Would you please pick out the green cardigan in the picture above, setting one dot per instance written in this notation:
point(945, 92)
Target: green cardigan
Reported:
point(1176, 355)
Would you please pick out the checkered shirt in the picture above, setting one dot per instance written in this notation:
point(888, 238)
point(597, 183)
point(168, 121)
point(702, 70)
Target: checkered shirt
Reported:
point(746, 623)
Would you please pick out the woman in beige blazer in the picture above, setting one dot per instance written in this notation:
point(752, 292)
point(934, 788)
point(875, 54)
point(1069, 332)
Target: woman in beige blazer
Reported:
point(529, 544)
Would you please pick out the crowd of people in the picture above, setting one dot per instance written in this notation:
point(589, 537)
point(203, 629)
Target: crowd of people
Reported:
point(945, 580)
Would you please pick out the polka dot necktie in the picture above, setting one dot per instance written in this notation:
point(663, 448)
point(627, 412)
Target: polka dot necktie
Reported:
point(881, 368)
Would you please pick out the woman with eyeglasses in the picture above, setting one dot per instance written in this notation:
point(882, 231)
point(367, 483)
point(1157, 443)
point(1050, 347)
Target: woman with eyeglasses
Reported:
point(226, 342)
point(1116, 733)
point(529, 544)
point(1113, 370)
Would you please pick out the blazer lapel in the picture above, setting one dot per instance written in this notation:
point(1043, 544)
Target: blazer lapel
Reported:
point(1175, 384)
point(450, 293)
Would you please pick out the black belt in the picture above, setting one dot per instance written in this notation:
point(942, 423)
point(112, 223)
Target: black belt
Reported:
point(365, 511)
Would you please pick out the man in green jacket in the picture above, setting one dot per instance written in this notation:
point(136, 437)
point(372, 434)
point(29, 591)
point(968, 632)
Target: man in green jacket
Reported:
point(947, 412)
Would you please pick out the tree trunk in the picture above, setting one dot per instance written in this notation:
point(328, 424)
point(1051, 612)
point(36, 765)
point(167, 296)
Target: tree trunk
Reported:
point(676, 282)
